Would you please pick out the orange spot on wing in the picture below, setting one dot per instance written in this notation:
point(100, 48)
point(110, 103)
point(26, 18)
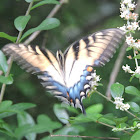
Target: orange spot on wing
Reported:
point(89, 69)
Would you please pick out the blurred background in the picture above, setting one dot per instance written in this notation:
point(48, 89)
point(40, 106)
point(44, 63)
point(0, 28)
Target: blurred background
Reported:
point(78, 18)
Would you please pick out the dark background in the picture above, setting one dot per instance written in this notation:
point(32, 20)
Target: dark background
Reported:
point(78, 18)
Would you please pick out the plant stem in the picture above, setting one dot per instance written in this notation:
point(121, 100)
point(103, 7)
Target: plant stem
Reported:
point(76, 136)
point(113, 103)
point(112, 127)
point(11, 58)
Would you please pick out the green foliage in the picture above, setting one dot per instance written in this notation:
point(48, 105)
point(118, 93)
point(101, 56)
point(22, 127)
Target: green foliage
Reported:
point(25, 126)
point(132, 90)
point(6, 36)
point(6, 80)
point(117, 90)
point(29, 1)
point(7, 109)
point(136, 135)
point(47, 24)
point(21, 22)
point(43, 2)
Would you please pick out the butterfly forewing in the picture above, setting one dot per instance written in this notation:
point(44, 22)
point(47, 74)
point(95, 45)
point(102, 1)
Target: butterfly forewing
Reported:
point(35, 60)
point(94, 50)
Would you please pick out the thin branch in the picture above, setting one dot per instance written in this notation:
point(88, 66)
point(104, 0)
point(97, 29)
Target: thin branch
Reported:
point(76, 136)
point(52, 13)
point(112, 127)
point(116, 69)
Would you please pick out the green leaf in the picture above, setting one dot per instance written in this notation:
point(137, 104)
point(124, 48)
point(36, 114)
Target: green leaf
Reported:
point(97, 108)
point(61, 113)
point(23, 119)
point(132, 90)
point(117, 90)
point(21, 22)
point(137, 75)
point(3, 62)
point(120, 120)
point(16, 108)
point(6, 36)
point(47, 24)
point(128, 48)
point(5, 105)
point(44, 2)
point(136, 136)
point(29, 1)
point(5, 128)
point(6, 80)
point(137, 56)
point(44, 121)
point(134, 107)
point(45, 124)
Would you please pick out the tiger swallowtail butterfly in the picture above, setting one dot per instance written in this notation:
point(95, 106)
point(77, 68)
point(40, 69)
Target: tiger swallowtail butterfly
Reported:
point(69, 74)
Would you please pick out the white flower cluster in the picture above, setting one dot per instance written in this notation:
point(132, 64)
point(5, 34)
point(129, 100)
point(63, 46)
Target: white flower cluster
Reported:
point(127, 6)
point(120, 105)
point(94, 82)
point(127, 69)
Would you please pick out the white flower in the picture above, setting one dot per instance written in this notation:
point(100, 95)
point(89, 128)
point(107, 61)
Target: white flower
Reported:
point(127, 1)
point(138, 125)
point(120, 105)
point(130, 41)
point(127, 69)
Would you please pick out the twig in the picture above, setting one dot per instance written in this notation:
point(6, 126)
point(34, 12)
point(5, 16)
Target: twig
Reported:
point(10, 61)
point(116, 69)
point(118, 62)
point(112, 127)
point(52, 13)
point(76, 136)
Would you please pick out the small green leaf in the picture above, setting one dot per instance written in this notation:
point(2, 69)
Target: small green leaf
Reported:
point(6, 36)
point(44, 121)
point(29, 1)
point(16, 108)
point(21, 22)
point(47, 24)
point(136, 136)
point(97, 108)
point(134, 107)
point(132, 90)
point(3, 62)
point(44, 2)
point(120, 120)
point(137, 56)
point(5, 105)
point(128, 48)
point(137, 75)
point(23, 119)
point(61, 113)
point(5, 128)
point(117, 90)
point(6, 80)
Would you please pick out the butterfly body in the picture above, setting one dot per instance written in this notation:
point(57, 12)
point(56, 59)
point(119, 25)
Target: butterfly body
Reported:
point(69, 75)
